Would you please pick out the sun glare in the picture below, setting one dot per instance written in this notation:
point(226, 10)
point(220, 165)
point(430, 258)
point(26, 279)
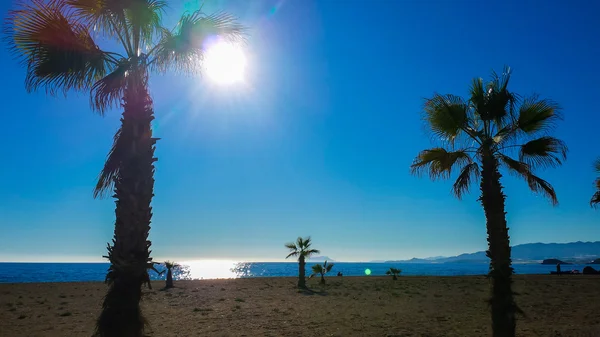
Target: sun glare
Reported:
point(225, 63)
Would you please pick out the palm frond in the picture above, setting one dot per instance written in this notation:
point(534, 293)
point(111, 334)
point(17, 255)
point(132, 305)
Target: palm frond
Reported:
point(144, 20)
point(58, 51)
point(536, 184)
point(438, 162)
point(467, 176)
point(446, 116)
point(295, 253)
point(597, 165)
point(500, 102)
point(478, 96)
point(543, 152)
point(291, 246)
point(538, 115)
point(328, 267)
point(310, 252)
point(109, 90)
point(317, 269)
point(104, 16)
point(595, 201)
point(171, 264)
point(304, 243)
point(110, 171)
point(183, 49)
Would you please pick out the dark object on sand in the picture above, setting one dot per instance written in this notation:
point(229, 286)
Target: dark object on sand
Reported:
point(170, 266)
point(590, 271)
point(340, 273)
point(558, 268)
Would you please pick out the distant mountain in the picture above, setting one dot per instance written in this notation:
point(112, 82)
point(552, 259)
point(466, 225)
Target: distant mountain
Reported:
point(319, 259)
point(554, 262)
point(576, 252)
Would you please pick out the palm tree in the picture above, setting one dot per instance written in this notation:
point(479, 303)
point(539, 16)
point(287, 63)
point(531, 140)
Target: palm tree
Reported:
point(595, 201)
point(56, 42)
point(322, 270)
point(170, 265)
point(478, 136)
point(301, 249)
point(394, 272)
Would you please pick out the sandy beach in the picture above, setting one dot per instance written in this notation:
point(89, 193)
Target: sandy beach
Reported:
point(348, 306)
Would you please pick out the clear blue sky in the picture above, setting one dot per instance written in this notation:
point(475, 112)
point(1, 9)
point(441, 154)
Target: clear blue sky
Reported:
point(319, 144)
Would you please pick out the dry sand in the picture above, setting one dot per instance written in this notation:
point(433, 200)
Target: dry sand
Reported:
point(348, 306)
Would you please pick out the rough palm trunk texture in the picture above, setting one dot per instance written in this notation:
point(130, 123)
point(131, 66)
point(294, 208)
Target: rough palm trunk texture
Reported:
point(129, 255)
point(502, 303)
point(301, 272)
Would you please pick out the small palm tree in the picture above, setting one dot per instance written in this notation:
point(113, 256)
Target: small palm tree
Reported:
point(394, 272)
point(301, 249)
point(322, 270)
point(170, 266)
point(595, 201)
point(479, 136)
point(56, 40)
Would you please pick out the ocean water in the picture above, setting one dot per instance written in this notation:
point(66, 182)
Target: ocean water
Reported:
point(78, 272)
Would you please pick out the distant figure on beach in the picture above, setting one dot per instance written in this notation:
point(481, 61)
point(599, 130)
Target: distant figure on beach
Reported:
point(339, 273)
point(558, 268)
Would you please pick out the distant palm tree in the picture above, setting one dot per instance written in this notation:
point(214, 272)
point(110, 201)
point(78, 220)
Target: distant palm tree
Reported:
point(394, 272)
point(595, 201)
point(170, 265)
point(301, 249)
point(478, 136)
point(56, 42)
point(323, 269)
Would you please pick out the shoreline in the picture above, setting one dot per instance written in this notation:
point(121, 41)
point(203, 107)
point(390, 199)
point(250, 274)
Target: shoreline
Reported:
point(329, 277)
point(345, 306)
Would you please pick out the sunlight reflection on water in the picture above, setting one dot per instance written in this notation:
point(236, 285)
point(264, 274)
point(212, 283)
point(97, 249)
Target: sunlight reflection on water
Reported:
point(210, 269)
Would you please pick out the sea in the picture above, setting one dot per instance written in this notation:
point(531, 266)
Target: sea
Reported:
point(218, 269)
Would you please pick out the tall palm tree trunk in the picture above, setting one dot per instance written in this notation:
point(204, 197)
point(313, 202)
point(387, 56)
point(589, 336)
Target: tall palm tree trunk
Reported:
point(130, 256)
point(301, 272)
point(502, 303)
point(169, 283)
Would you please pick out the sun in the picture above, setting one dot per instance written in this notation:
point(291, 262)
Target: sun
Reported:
point(225, 63)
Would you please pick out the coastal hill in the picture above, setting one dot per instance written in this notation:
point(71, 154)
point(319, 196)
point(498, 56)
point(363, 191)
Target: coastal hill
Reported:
point(575, 252)
point(319, 259)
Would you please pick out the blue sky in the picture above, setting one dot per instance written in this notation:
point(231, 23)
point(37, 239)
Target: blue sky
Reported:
point(318, 143)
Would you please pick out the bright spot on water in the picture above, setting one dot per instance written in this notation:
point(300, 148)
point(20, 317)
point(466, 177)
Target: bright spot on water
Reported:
point(209, 269)
point(367, 271)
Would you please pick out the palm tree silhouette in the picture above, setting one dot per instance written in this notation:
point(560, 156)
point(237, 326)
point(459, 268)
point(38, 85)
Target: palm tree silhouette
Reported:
point(301, 249)
point(56, 42)
point(478, 136)
point(394, 272)
point(321, 269)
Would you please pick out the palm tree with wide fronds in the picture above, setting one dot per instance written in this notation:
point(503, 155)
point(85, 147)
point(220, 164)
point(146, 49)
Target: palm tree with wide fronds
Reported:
point(595, 201)
point(492, 129)
point(57, 42)
point(302, 250)
point(321, 269)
